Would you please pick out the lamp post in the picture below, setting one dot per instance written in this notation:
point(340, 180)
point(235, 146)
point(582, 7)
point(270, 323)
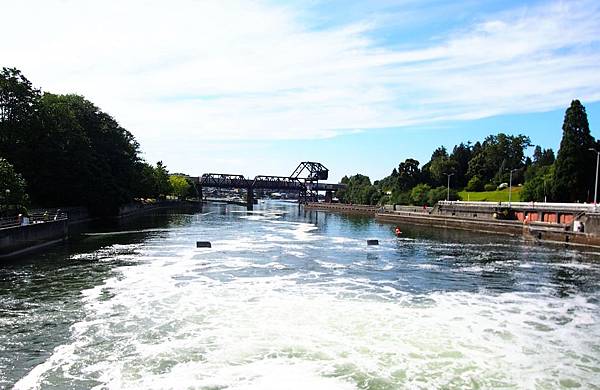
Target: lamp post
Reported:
point(448, 193)
point(6, 197)
point(597, 161)
point(510, 186)
point(544, 190)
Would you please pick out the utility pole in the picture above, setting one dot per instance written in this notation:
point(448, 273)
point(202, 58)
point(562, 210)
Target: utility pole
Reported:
point(448, 193)
point(510, 186)
point(596, 187)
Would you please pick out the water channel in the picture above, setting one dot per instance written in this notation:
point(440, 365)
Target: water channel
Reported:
point(291, 299)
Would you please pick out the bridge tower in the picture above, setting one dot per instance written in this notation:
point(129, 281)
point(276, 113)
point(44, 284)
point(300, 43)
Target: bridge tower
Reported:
point(315, 171)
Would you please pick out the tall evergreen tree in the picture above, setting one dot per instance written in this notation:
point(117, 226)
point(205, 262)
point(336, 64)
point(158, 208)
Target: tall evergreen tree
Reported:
point(575, 166)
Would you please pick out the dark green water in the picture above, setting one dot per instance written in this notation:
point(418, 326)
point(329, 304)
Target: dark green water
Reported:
point(294, 299)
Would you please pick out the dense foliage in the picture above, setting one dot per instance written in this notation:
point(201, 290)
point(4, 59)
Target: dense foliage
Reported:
point(358, 190)
point(180, 186)
point(488, 164)
point(70, 152)
point(12, 190)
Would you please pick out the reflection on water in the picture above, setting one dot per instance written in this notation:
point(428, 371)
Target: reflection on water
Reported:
point(296, 299)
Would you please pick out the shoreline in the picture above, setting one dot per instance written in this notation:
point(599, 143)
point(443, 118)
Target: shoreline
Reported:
point(17, 241)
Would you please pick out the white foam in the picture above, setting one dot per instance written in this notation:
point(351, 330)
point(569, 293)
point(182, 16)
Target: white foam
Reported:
point(188, 320)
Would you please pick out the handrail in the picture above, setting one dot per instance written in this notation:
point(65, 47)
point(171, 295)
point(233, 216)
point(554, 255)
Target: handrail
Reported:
point(528, 205)
point(34, 217)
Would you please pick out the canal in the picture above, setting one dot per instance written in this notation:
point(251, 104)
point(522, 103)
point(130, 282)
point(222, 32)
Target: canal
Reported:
point(297, 300)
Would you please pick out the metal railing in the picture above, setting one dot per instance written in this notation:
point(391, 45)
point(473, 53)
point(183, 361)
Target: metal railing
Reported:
point(33, 217)
point(525, 205)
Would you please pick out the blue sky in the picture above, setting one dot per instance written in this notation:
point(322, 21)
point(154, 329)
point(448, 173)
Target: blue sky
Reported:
point(254, 87)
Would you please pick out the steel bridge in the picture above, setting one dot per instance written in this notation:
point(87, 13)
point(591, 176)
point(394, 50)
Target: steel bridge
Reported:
point(304, 180)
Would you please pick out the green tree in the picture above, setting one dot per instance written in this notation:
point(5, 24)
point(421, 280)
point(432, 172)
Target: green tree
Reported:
point(18, 104)
point(493, 159)
point(461, 155)
point(163, 184)
point(420, 194)
point(475, 184)
point(180, 186)
point(62, 157)
point(441, 167)
point(434, 195)
point(67, 149)
point(12, 189)
point(145, 182)
point(359, 190)
point(575, 164)
point(543, 157)
point(537, 186)
point(408, 174)
point(112, 158)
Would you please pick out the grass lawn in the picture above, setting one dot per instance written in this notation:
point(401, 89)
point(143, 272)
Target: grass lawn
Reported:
point(491, 196)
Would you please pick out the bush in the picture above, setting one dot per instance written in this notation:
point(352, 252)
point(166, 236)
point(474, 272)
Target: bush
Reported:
point(420, 194)
point(400, 197)
point(475, 184)
point(489, 187)
point(440, 193)
point(436, 194)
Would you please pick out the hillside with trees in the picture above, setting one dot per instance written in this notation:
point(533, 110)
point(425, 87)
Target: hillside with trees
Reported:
point(486, 165)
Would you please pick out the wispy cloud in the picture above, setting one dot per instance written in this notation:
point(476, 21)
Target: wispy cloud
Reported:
point(225, 70)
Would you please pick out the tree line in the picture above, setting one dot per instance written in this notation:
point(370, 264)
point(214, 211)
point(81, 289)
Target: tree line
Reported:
point(484, 166)
point(62, 150)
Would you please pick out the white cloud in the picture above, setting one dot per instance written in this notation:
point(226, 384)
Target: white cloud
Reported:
point(221, 70)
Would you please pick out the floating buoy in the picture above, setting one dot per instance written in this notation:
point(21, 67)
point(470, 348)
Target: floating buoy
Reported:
point(203, 244)
point(372, 242)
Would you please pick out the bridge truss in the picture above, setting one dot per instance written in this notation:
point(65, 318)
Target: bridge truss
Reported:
point(304, 180)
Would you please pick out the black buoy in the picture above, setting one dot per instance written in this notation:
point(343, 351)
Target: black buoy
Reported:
point(372, 242)
point(203, 244)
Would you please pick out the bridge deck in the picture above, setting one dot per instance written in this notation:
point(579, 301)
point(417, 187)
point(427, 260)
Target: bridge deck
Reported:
point(264, 182)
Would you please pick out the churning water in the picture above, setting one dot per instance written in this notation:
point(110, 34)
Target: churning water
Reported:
point(287, 299)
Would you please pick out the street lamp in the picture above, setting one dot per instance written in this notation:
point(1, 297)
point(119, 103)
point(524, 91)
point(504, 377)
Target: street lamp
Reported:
point(6, 198)
point(544, 190)
point(510, 185)
point(448, 193)
point(597, 161)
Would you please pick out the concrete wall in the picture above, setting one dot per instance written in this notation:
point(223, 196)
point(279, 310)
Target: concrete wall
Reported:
point(137, 208)
point(591, 223)
point(343, 208)
point(489, 211)
point(552, 214)
point(411, 209)
point(21, 239)
point(498, 227)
